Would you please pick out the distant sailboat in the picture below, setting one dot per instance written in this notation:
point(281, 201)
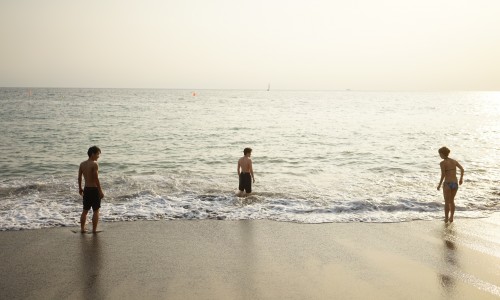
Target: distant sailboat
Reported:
point(268, 87)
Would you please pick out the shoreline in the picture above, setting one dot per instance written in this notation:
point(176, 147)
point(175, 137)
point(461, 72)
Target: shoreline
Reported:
point(255, 259)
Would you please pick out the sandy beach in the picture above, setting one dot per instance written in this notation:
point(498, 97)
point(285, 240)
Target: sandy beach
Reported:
point(255, 260)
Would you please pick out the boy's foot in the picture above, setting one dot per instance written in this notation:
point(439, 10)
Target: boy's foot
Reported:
point(451, 220)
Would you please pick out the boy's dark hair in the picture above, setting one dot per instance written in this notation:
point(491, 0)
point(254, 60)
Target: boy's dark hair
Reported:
point(247, 150)
point(92, 150)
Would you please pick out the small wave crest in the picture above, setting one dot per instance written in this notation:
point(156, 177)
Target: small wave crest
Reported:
point(34, 203)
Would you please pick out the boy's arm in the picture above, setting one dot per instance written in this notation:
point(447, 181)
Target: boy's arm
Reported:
point(80, 172)
point(238, 168)
point(442, 175)
point(251, 171)
point(96, 176)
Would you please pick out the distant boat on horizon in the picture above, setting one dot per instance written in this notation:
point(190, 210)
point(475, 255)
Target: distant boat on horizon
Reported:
point(268, 87)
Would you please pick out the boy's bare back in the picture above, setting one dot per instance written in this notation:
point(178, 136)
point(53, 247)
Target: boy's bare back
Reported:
point(246, 164)
point(89, 171)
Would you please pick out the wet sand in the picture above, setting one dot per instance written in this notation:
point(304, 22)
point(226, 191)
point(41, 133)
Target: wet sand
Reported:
point(255, 260)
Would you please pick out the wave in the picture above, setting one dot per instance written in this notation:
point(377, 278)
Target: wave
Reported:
point(32, 209)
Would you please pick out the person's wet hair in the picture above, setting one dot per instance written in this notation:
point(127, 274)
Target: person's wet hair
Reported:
point(92, 150)
point(445, 151)
point(247, 150)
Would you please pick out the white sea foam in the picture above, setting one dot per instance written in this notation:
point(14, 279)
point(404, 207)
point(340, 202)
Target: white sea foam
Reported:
point(33, 206)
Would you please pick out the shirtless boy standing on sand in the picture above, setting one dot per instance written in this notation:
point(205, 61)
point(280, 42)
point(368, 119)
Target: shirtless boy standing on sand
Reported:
point(92, 194)
point(245, 172)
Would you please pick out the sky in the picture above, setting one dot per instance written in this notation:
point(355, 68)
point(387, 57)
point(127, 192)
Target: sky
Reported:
point(232, 44)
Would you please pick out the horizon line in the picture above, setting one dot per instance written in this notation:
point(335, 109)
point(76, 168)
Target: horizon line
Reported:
point(245, 89)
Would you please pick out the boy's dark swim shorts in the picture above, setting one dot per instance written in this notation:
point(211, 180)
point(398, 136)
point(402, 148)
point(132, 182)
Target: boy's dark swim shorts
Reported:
point(245, 182)
point(91, 198)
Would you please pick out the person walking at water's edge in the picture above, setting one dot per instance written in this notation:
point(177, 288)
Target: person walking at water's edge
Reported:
point(450, 187)
point(92, 193)
point(245, 172)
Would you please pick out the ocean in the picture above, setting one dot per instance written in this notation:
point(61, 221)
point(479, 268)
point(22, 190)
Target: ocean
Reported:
point(325, 156)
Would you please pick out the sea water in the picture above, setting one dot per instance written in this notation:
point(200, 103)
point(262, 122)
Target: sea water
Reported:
point(326, 156)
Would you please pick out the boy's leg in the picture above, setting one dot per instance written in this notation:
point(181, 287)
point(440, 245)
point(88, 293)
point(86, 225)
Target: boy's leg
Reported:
point(83, 219)
point(95, 220)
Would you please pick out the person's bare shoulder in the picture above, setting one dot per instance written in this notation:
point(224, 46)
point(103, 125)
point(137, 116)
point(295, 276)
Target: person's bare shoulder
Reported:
point(94, 165)
point(83, 165)
point(88, 165)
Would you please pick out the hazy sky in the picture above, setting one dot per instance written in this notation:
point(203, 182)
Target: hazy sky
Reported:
point(233, 44)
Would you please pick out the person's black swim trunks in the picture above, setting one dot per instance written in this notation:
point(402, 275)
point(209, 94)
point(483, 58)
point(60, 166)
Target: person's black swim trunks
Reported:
point(91, 198)
point(245, 182)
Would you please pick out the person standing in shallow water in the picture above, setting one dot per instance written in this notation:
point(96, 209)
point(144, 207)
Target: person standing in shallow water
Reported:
point(92, 193)
point(450, 187)
point(245, 172)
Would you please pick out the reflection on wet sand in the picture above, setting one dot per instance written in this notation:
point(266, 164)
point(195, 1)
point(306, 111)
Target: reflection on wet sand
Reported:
point(450, 259)
point(248, 261)
point(90, 259)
